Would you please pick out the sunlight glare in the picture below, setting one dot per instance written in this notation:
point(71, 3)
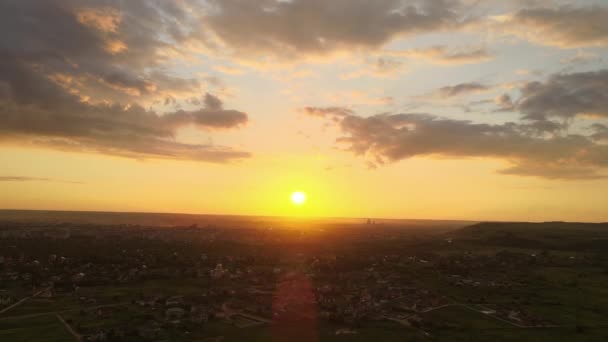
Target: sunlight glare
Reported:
point(298, 198)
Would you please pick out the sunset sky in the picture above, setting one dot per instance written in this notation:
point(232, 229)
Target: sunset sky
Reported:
point(477, 110)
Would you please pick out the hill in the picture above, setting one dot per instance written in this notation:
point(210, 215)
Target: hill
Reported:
point(549, 235)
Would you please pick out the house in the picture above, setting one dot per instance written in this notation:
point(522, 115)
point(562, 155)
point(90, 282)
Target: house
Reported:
point(174, 301)
point(5, 300)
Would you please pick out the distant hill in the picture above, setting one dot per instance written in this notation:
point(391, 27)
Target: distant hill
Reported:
point(554, 235)
point(42, 217)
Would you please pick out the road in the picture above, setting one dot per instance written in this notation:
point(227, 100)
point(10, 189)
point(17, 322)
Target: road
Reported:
point(22, 301)
point(69, 328)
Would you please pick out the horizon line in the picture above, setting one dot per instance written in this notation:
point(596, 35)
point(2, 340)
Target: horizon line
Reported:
point(294, 217)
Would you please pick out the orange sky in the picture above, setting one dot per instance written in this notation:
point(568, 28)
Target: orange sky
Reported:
point(449, 110)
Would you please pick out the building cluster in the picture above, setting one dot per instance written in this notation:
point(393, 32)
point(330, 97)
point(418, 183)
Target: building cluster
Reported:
point(231, 279)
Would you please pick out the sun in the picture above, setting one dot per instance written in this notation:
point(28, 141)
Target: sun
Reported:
point(298, 198)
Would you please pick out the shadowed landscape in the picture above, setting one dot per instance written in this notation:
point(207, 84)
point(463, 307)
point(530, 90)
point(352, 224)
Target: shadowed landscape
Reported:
point(118, 277)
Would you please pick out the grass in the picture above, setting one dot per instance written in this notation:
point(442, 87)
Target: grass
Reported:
point(377, 331)
point(38, 305)
point(40, 329)
point(521, 335)
point(458, 317)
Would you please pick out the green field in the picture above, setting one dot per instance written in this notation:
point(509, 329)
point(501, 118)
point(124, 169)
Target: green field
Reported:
point(39, 329)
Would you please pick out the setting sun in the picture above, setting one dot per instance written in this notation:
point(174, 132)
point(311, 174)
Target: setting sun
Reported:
point(298, 198)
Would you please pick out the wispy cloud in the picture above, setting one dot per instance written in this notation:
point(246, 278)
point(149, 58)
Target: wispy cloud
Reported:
point(441, 54)
point(35, 179)
point(299, 28)
point(461, 89)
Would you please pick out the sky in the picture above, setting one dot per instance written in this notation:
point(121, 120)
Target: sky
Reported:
point(437, 109)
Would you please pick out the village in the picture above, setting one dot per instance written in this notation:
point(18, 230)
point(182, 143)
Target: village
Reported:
point(152, 283)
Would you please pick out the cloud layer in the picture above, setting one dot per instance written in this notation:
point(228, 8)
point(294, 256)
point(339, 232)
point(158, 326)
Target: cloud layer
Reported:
point(565, 27)
point(36, 111)
point(76, 76)
point(297, 27)
point(100, 75)
point(385, 138)
point(537, 145)
point(461, 89)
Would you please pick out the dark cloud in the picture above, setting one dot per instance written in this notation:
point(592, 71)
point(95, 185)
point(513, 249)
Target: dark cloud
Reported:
point(75, 75)
point(600, 132)
point(385, 138)
point(550, 106)
point(327, 111)
point(36, 111)
point(105, 46)
point(566, 96)
point(461, 89)
point(212, 116)
point(504, 102)
point(566, 26)
point(297, 27)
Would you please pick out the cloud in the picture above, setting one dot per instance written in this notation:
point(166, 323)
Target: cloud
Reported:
point(565, 96)
point(112, 50)
point(539, 144)
point(386, 137)
point(504, 102)
point(33, 179)
point(297, 28)
point(211, 116)
point(441, 96)
point(377, 67)
point(461, 89)
point(35, 110)
point(565, 27)
point(600, 132)
point(441, 54)
point(62, 87)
